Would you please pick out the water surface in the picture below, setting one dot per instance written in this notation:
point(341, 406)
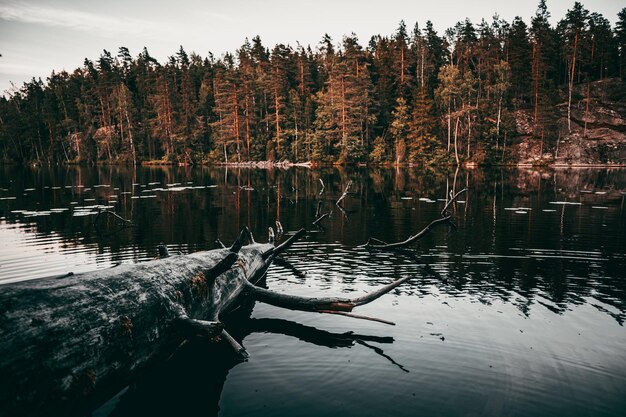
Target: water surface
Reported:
point(518, 310)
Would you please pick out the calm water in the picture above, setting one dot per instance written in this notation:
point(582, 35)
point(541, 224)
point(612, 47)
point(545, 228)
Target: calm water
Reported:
point(518, 311)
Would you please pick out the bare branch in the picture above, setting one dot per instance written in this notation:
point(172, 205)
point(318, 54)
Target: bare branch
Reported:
point(453, 198)
point(126, 222)
point(239, 350)
point(373, 243)
point(345, 193)
point(320, 218)
point(411, 239)
point(318, 209)
point(285, 245)
point(294, 302)
point(243, 235)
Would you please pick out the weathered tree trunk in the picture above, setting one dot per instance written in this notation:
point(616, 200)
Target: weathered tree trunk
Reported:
point(71, 341)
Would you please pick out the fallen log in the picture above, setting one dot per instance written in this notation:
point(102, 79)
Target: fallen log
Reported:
point(70, 341)
point(67, 343)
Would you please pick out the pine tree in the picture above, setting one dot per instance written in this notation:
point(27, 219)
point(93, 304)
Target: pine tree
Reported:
point(543, 57)
point(573, 31)
point(399, 129)
point(519, 53)
point(620, 34)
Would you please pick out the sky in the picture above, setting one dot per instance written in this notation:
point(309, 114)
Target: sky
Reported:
point(38, 36)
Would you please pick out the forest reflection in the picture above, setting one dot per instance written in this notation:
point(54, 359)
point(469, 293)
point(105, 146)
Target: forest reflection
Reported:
point(523, 236)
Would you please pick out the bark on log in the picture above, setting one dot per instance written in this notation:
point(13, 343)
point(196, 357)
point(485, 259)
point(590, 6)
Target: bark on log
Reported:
point(66, 343)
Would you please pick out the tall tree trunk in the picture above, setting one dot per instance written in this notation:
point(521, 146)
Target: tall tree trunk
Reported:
point(277, 111)
point(247, 126)
point(456, 148)
point(301, 78)
point(498, 120)
point(587, 109)
point(571, 85)
point(236, 122)
point(536, 71)
point(469, 133)
point(449, 124)
point(344, 137)
point(402, 65)
point(296, 143)
point(130, 138)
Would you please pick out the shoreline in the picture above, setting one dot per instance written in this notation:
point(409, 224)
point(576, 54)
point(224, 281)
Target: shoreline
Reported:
point(316, 165)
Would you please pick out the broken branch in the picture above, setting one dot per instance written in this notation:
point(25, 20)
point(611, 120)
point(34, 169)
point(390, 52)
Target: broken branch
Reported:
point(453, 198)
point(345, 193)
point(126, 222)
point(275, 251)
point(239, 350)
point(294, 302)
point(373, 243)
point(320, 218)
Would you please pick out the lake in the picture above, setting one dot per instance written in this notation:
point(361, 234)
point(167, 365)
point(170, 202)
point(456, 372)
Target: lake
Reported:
point(518, 310)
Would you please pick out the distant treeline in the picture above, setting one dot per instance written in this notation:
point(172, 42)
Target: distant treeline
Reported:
point(416, 96)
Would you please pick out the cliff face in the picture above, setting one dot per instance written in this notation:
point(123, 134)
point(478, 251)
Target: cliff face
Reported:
point(598, 129)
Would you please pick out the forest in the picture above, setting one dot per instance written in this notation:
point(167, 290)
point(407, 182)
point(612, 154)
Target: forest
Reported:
point(414, 97)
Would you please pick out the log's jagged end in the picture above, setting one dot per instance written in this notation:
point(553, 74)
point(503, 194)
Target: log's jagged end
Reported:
point(237, 348)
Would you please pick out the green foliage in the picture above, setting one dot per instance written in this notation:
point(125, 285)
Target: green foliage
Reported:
point(400, 100)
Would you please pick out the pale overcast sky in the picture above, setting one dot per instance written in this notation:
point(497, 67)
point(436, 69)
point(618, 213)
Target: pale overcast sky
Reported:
point(38, 36)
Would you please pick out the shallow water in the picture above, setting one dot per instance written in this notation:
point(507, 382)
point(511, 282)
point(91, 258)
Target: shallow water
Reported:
point(518, 310)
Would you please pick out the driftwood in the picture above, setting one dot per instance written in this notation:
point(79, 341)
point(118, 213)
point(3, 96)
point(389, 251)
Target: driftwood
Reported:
point(320, 218)
point(125, 222)
point(67, 343)
point(446, 218)
point(318, 213)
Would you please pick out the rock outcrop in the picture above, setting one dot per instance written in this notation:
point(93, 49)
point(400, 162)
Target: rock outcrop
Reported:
point(596, 135)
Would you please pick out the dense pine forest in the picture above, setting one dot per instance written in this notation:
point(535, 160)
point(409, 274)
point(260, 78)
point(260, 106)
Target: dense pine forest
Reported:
point(416, 96)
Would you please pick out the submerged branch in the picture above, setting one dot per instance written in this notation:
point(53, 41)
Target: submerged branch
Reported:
point(373, 243)
point(345, 193)
point(124, 221)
